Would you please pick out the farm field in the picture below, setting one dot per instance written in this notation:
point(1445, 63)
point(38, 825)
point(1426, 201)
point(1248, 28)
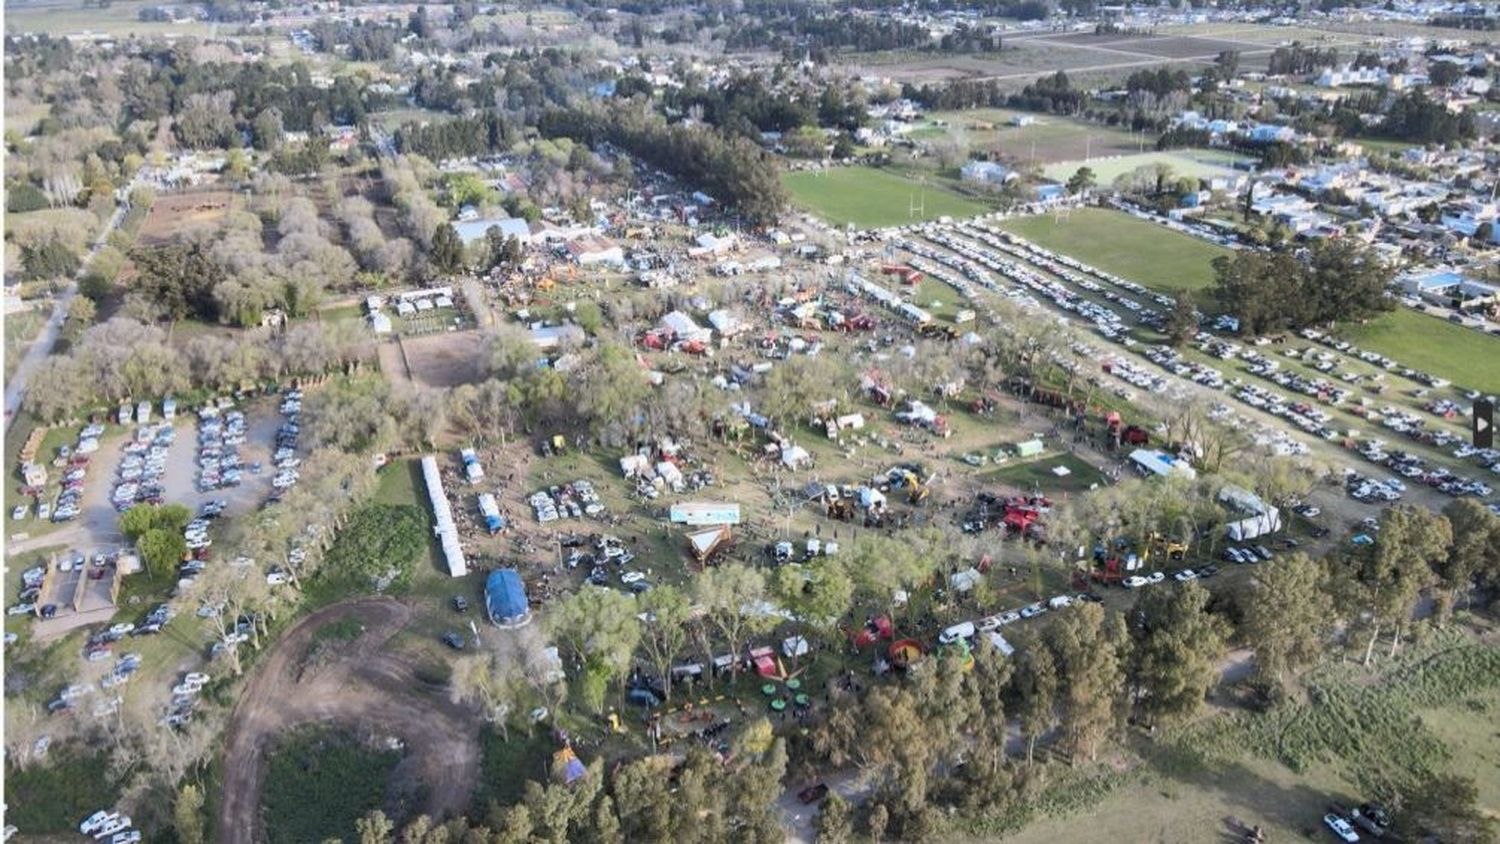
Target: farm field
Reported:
point(871, 198)
point(173, 215)
point(1048, 139)
point(74, 17)
point(1134, 249)
point(1196, 163)
point(1462, 355)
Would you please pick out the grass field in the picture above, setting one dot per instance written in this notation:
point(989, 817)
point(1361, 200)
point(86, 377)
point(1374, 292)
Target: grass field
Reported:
point(1462, 355)
point(71, 17)
point(20, 329)
point(1143, 252)
point(1197, 163)
point(871, 198)
point(320, 781)
point(1038, 475)
point(1049, 138)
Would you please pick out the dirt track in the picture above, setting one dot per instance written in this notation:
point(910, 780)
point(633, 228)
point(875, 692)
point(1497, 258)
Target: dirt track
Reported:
point(363, 686)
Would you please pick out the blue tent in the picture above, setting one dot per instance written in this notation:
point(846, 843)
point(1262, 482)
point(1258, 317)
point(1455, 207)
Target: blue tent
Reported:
point(505, 598)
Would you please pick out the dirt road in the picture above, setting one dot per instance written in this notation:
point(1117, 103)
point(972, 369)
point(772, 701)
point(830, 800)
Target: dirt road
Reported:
point(363, 686)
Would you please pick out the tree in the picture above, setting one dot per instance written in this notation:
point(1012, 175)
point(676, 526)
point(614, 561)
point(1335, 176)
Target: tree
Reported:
point(733, 595)
point(374, 828)
point(179, 279)
point(187, 815)
point(599, 629)
point(161, 550)
point(1088, 646)
point(50, 258)
point(138, 521)
point(1288, 615)
point(1083, 180)
point(1182, 320)
point(665, 638)
point(1177, 643)
point(1446, 808)
point(1473, 555)
point(1390, 574)
point(835, 820)
point(1034, 685)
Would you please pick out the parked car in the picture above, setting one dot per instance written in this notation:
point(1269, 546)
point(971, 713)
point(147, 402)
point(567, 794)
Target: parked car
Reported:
point(813, 793)
point(453, 640)
point(1340, 827)
point(460, 603)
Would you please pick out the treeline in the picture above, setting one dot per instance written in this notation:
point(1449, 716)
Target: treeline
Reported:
point(1160, 81)
point(730, 168)
point(819, 30)
point(126, 359)
point(1418, 118)
point(483, 134)
point(1268, 292)
point(365, 41)
point(743, 105)
point(1299, 59)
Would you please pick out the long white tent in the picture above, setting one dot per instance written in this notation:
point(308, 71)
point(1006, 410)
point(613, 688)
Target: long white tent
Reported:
point(442, 516)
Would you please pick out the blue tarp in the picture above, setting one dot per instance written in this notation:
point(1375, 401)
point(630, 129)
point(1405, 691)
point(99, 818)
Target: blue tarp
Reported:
point(505, 597)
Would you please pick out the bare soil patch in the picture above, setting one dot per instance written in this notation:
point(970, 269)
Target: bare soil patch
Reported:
point(175, 214)
point(365, 686)
point(436, 360)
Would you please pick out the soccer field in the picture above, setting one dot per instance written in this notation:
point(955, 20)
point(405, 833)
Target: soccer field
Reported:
point(1462, 355)
point(1197, 163)
point(871, 198)
point(1116, 242)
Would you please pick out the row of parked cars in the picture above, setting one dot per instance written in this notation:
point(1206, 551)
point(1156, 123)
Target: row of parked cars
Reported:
point(110, 826)
point(285, 455)
point(574, 500)
point(220, 435)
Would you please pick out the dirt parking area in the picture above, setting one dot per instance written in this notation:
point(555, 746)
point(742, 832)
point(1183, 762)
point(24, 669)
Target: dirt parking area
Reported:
point(174, 214)
point(436, 360)
point(364, 685)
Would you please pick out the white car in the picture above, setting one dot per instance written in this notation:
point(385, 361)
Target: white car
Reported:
point(1156, 577)
point(93, 823)
point(1135, 582)
point(1340, 827)
point(1185, 575)
point(20, 512)
point(1033, 610)
point(276, 578)
point(21, 609)
point(956, 632)
point(632, 576)
point(197, 678)
point(119, 824)
point(132, 836)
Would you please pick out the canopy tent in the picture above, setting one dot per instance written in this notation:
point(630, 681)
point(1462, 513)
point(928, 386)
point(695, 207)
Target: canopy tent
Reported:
point(505, 598)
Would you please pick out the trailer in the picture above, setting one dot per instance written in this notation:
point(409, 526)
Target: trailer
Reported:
point(490, 510)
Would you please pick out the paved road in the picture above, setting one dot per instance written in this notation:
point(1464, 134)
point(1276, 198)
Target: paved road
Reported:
point(15, 388)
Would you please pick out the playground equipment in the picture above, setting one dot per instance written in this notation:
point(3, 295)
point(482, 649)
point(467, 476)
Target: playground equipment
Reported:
point(905, 653)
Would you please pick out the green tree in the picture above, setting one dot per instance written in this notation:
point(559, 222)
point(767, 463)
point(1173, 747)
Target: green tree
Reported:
point(1474, 554)
point(1083, 180)
point(600, 630)
point(733, 596)
point(50, 258)
point(1446, 808)
point(374, 828)
point(187, 815)
point(1289, 613)
point(1088, 645)
point(665, 637)
point(161, 550)
point(1176, 646)
point(447, 249)
point(1182, 320)
point(835, 824)
point(1034, 685)
point(1389, 576)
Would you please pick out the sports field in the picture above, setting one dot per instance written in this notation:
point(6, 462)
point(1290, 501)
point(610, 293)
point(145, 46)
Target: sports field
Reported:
point(871, 198)
point(1464, 356)
point(1047, 138)
point(1113, 241)
point(1198, 163)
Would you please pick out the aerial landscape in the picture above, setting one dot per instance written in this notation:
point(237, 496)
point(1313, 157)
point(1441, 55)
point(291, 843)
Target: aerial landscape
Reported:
point(690, 421)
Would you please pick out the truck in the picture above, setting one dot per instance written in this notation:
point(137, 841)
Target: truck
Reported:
point(472, 470)
point(490, 510)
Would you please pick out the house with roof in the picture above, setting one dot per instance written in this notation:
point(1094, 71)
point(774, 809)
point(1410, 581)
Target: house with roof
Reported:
point(478, 229)
point(1450, 288)
point(986, 172)
point(1270, 133)
point(593, 250)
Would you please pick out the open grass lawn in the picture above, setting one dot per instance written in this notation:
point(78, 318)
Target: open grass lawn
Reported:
point(871, 198)
point(51, 798)
point(20, 329)
point(1113, 241)
point(1198, 163)
point(1464, 356)
point(505, 766)
point(1037, 474)
point(61, 17)
point(320, 781)
point(1471, 730)
point(1048, 138)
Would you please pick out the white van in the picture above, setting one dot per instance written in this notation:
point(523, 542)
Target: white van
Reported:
point(956, 632)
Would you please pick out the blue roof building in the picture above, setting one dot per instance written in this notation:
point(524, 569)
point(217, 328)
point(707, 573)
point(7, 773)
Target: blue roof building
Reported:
point(505, 599)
